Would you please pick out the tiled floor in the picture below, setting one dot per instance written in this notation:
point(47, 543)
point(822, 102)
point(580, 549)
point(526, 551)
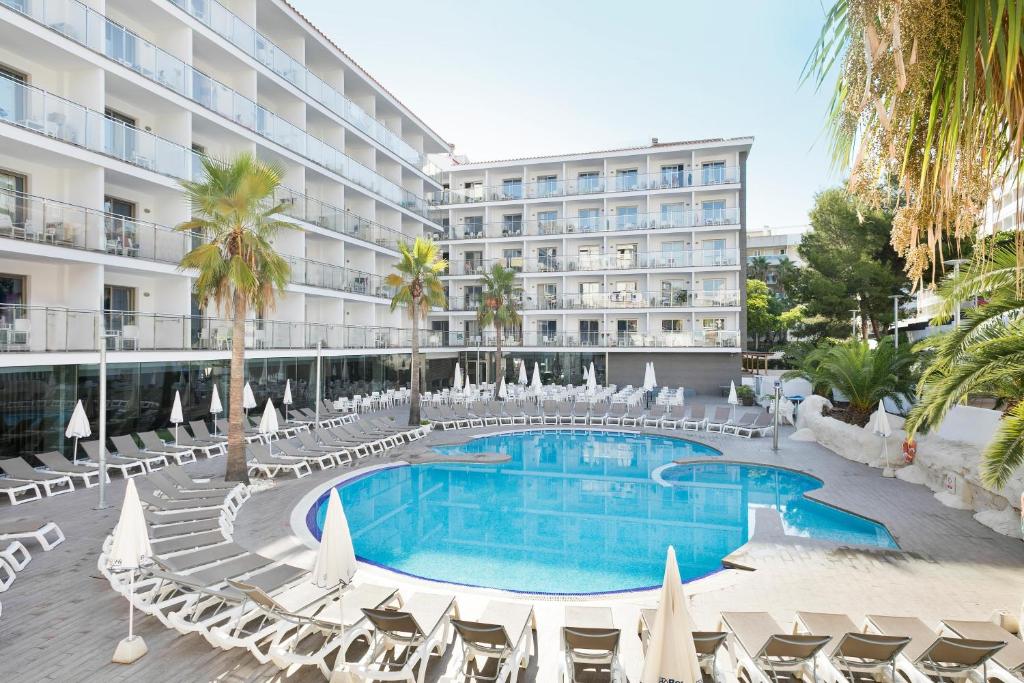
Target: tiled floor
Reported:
point(61, 621)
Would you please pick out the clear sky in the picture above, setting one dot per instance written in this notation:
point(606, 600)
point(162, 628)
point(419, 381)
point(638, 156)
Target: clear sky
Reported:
point(532, 77)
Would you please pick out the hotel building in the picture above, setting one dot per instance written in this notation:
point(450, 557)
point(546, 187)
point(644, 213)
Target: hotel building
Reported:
point(106, 105)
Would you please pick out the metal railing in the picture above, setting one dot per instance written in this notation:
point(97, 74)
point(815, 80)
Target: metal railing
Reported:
point(223, 22)
point(690, 258)
point(44, 221)
point(55, 329)
point(687, 339)
point(594, 224)
point(677, 298)
point(703, 176)
point(93, 30)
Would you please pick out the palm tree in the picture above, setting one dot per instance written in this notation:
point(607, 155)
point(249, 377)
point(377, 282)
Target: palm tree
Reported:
point(237, 268)
point(417, 286)
point(985, 355)
point(863, 375)
point(499, 307)
point(928, 99)
point(757, 268)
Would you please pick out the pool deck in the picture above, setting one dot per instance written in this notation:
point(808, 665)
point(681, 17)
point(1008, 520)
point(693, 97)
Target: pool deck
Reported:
point(61, 621)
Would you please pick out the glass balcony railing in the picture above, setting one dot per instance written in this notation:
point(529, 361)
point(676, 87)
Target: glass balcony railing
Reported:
point(682, 339)
point(706, 176)
point(42, 112)
point(675, 298)
point(591, 224)
point(87, 27)
point(44, 221)
point(695, 258)
point(221, 21)
point(41, 329)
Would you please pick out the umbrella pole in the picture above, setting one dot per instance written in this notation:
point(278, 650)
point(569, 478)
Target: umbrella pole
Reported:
point(74, 456)
point(131, 606)
point(175, 433)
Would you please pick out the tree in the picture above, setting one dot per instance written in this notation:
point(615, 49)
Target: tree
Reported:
point(863, 375)
point(237, 267)
point(498, 307)
point(850, 264)
point(787, 274)
point(761, 320)
point(985, 355)
point(929, 100)
point(418, 286)
point(758, 267)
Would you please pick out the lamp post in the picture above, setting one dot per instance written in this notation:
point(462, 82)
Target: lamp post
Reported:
point(956, 263)
point(775, 417)
point(316, 402)
point(896, 319)
point(101, 338)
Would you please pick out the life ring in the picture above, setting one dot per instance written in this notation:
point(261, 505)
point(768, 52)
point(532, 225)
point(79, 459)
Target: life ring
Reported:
point(909, 451)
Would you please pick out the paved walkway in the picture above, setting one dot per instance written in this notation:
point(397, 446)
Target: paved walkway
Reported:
point(61, 621)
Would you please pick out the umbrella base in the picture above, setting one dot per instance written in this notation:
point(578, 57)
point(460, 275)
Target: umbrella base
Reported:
point(130, 650)
point(888, 472)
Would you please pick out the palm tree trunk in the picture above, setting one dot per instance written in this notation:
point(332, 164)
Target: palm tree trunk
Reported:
point(237, 470)
point(414, 379)
point(498, 368)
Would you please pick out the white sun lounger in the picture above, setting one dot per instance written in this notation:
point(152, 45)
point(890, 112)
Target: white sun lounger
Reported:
point(930, 656)
point(16, 555)
point(53, 484)
point(47, 534)
point(19, 492)
point(58, 464)
point(765, 653)
point(503, 636)
point(696, 420)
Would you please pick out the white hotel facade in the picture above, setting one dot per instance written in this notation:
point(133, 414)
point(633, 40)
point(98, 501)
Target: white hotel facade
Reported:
point(106, 105)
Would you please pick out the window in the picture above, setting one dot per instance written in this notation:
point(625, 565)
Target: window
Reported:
point(626, 180)
point(713, 212)
point(547, 258)
point(513, 259)
point(471, 297)
point(474, 261)
point(589, 335)
point(548, 330)
point(473, 226)
point(121, 230)
point(624, 328)
point(626, 218)
point(589, 181)
point(625, 286)
point(13, 296)
point(713, 323)
point(590, 220)
point(547, 222)
point(120, 136)
point(672, 215)
point(673, 175)
point(713, 172)
point(590, 294)
point(713, 292)
point(672, 326)
point(673, 293)
point(512, 225)
point(547, 295)
point(714, 252)
point(512, 188)
point(673, 254)
point(547, 185)
point(13, 205)
point(119, 307)
point(12, 94)
point(625, 256)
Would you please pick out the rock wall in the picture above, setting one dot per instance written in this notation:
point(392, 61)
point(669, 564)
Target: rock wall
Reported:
point(947, 466)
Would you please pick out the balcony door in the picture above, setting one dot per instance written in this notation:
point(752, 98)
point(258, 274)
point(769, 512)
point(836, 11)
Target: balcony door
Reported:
point(13, 205)
point(589, 334)
point(13, 95)
point(119, 307)
point(713, 172)
point(122, 234)
point(13, 297)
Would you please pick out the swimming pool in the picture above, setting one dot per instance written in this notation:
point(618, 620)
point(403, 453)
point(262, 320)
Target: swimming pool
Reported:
point(576, 512)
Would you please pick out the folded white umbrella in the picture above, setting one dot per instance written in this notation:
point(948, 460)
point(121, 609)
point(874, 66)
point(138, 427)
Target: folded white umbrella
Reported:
point(78, 426)
point(586, 376)
point(177, 417)
point(502, 389)
point(336, 560)
point(269, 424)
point(129, 551)
point(523, 379)
point(880, 427)
point(671, 655)
point(654, 377)
point(287, 400)
point(457, 381)
point(592, 380)
point(536, 384)
point(215, 407)
point(733, 399)
point(248, 399)
point(648, 377)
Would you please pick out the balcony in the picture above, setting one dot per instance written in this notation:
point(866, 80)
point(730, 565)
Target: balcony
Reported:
point(221, 21)
point(92, 30)
point(686, 339)
point(677, 298)
point(44, 221)
point(42, 112)
point(711, 176)
point(694, 258)
point(596, 224)
point(41, 329)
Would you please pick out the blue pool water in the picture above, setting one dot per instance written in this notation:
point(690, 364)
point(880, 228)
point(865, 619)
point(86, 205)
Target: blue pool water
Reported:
point(576, 512)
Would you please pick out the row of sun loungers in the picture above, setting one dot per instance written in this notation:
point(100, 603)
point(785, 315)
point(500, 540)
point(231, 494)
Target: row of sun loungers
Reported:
point(329, 446)
point(14, 555)
point(493, 413)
